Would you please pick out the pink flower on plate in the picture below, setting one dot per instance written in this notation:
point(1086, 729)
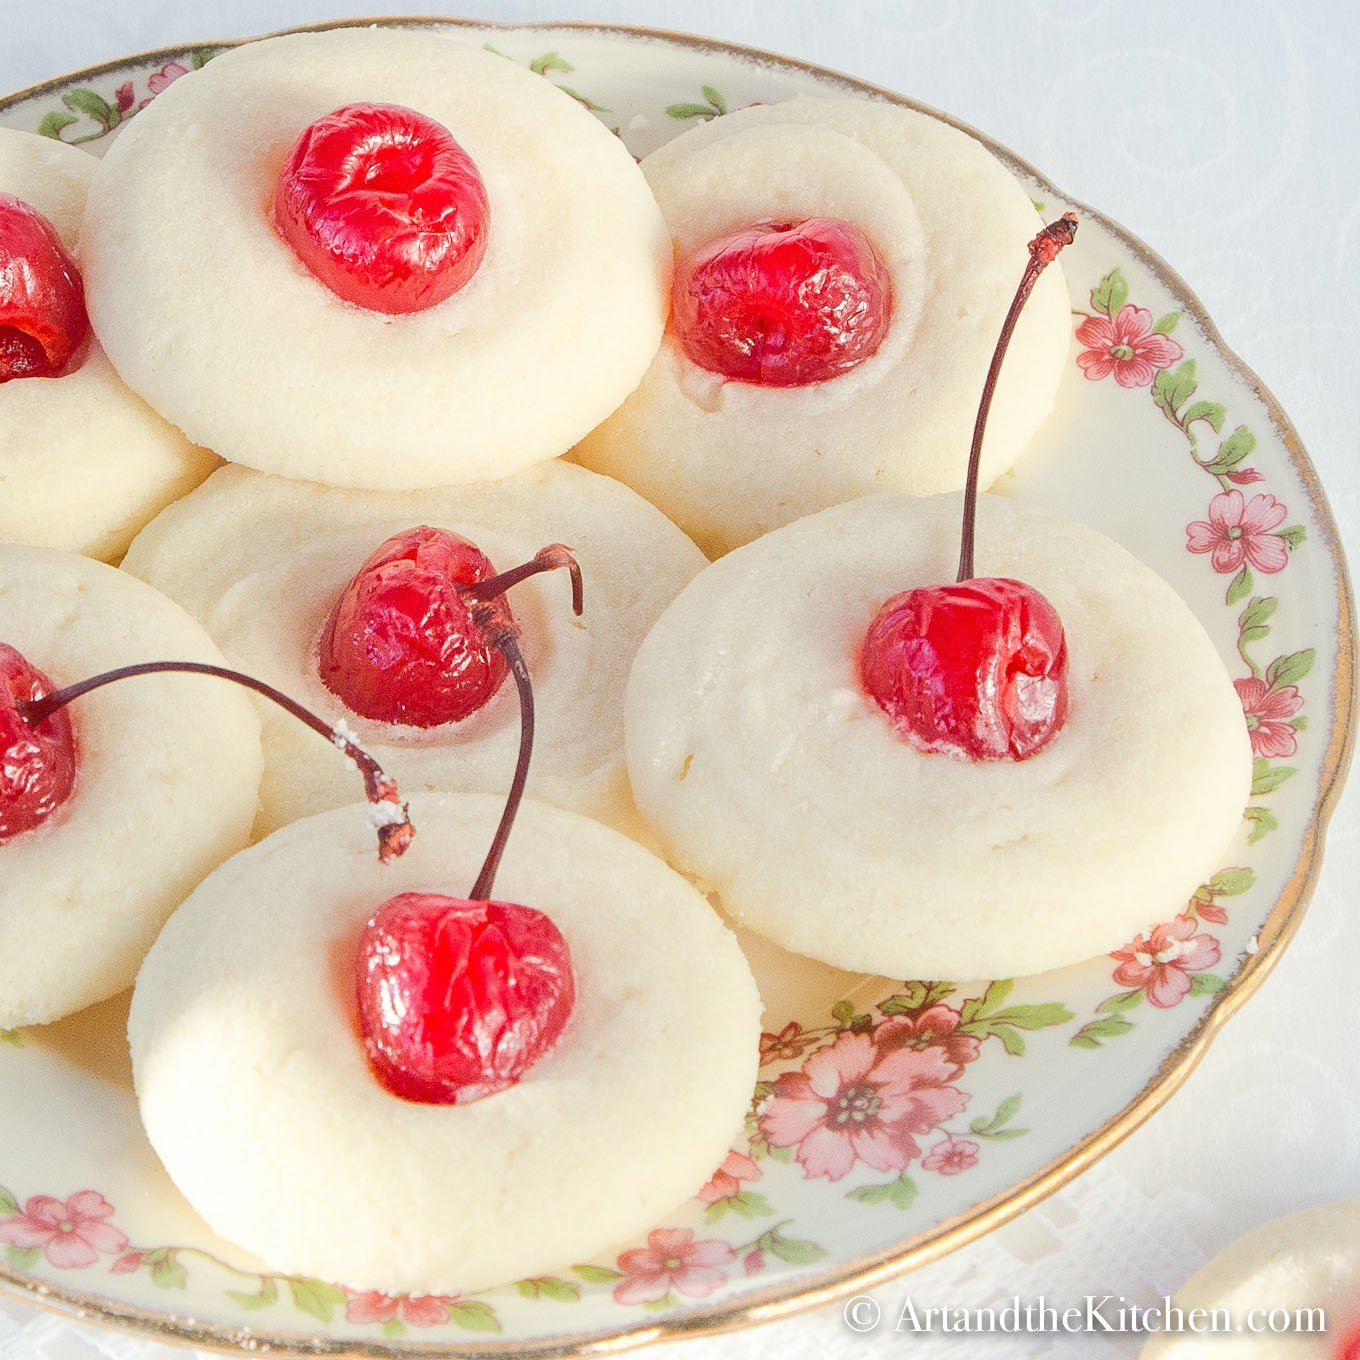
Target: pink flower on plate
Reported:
point(420, 1310)
point(158, 81)
point(672, 1259)
point(71, 1233)
point(1268, 710)
point(952, 1156)
point(123, 97)
point(1239, 531)
point(1125, 345)
point(854, 1101)
point(727, 1179)
point(935, 1027)
point(1161, 963)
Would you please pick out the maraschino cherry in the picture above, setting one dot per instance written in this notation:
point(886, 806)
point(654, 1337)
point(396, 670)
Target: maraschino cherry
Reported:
point(410, 640)
point(42, 298)
point(384, 207)
point(37, 744)
point(37, 760)
point(460, 997)
point(784, 304)
point(976, 670)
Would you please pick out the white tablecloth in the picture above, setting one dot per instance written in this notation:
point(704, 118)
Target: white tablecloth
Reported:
point(1225, 136)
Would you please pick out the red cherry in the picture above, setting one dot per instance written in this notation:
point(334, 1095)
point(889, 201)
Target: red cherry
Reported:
point(42, 298)
point(37, 763)
point(402, 644)
point(384, 207)
point(784, 304)
point(459, 998)
point(976, 670)
point(1349, 1346)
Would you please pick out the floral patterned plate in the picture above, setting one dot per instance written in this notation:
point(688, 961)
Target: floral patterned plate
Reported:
point(892, 1121)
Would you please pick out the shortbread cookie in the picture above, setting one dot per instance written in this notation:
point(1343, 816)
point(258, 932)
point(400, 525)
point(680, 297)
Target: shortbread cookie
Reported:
point(208, 314)
point(260, 561)
point(1288, 1291)
point(255, 1090)
point(83, 462)
point(731, 460)
point(166, 776)
point(768, 774)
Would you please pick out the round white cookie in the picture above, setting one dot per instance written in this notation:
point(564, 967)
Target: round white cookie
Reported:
point(255, 1090)
point(768, 773)
point(84, 463)
point(166, 776)
point(729, 461)
point(260, 562)
point(208, 314)
point(1292, 1287)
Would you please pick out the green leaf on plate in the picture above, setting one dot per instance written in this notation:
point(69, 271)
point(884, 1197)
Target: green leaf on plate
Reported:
point(8, 1204)
point(1205, 984)
point(1209, 411)
point(899, 1193)
point(1239, 586)
point(267, 1296)
point(1293, 534)
point(12, 1037)
point(714, 98)
point(1110, 294)
point(1033, 1017)
point(795, 1250)
point(1231, 882)
point(1266, 778)
point(1107, 1027)
point(1124, 1001)
point(596, 1274)
point(315, 1297)
point(1237, 446)
point(1173, 387)
point(550, 61)
point(1164, 325)
point(165, 1269)
point(1289, 670)
point(92, 106)
point(202, 56)
point(683, 111)
point(22, 1257)
point(53, 123)
point(475, 1316)
point(560, 1291)
point(1262, 821)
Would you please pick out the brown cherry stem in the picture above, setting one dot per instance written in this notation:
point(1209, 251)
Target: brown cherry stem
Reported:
point(395, 831)
point(1043, 250)
point(551, 558)
point(504, 639)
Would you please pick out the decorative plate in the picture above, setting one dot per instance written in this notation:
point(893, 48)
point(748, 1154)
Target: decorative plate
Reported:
point(1162, 439)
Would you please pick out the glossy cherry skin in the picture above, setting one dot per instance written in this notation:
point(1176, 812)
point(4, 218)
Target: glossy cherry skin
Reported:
point(384, 207)
point(784, 304)
point(1348, 1348)
point(401, 645)
point(37, 764)
point(42, 297)
point(975, 670)
point(458, 999)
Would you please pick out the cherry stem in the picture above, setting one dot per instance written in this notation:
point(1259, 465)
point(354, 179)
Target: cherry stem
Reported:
point(504, 639)
point(551, 558)
point(395, 831)
point(1043, 250)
